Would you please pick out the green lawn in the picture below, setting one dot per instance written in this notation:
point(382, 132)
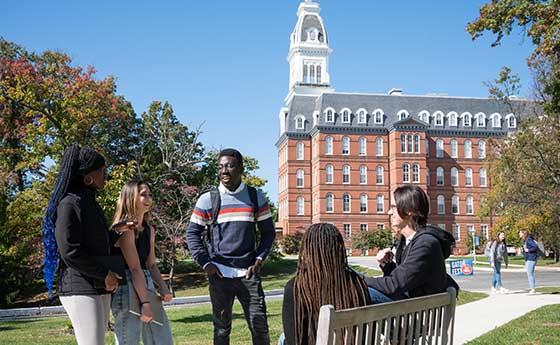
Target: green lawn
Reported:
point(539, 327)
point(516, 260)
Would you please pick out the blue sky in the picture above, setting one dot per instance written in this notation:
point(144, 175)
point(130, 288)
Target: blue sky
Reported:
point(223, 64)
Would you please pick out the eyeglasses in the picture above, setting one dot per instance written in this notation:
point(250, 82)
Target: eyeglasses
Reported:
point(228, 166)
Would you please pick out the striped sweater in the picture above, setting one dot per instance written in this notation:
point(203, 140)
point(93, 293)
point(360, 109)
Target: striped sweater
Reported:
point(233, 238)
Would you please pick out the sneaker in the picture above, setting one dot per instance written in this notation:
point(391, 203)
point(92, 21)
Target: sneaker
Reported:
point(532, 292)
point(503, 290)
point(494, 290)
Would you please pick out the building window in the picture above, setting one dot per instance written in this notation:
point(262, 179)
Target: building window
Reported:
point(455, 204)
point(439, 148)
point(299, 178)
point(363, 146)
point(424, 116)
point(363, 203)
point(299, 151)
point(403, 143)
point(470, 205)
point(427, 147)
point(406, 173)
point(379, 147)
point(466, 120)
point(439, 176)
point(496, 121)
point(380, 226)
point(427, 176)
point(403, 114)
point(329, 172)
point(439, 118)
point(454, 177)
point(300, 206)
point(484, 231)
point(300, 122)
point(482, 177)
point(345, 145)
point(305, 74)
point(480, 120)
point(347, 230)
point(441, 226)
point(409, 141)
point(378, 117)
point(456, 231)
point(318, 79)
point(415, 173)
point(329, 115)
point(511, 121)
point(329, 205)
point(379, 175)
point(363, 174)
point(346, 203)
point(345, 116)
point(470, 230)
point(468, 149)
point(329, 145)
point(311, 74)
point(346, 174)
point(482, 149)
point(362, 116)
point(417, 143)
point(380, 204)
point(363, 227)
point(454, 152)
point(468, 177)
point(440, 204)
point(452, 118)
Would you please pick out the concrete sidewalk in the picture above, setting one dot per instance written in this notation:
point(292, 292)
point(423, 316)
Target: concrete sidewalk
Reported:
point(474, 319)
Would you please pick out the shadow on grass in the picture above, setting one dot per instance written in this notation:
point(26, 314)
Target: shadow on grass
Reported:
point(208, 317)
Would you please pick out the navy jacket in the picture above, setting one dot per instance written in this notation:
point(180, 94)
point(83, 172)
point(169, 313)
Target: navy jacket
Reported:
point(530, 249)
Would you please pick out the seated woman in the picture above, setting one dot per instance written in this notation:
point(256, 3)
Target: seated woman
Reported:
point(322, 277)
point(419, 269)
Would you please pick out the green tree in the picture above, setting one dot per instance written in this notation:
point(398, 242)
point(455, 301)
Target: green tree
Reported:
point(366, 240)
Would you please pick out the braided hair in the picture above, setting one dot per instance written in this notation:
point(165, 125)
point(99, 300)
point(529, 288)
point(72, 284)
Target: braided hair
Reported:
point(323, 277)
point(76, 163)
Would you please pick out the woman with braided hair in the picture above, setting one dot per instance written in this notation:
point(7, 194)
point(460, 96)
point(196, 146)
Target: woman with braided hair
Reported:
point(322, 277)
point(74, 230)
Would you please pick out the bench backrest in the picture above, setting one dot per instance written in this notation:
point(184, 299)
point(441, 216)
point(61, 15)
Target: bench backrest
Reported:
point(417, 321)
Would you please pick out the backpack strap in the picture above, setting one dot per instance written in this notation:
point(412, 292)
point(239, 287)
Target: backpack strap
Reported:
point(254, 200)
point(216, 204)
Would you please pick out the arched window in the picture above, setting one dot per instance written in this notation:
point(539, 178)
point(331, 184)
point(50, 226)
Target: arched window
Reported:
point(452, 118)
point(363, 174)
point(346, 116)
point(363, 146)
point(345, 146)
point(346, 174)
point(480, 120)
point(329, 145)
point(482, 149)
point(403, 143)
point(403, 114)
point(329, 115)
point(439, 148)
point(496, 120)
point(467, 119)
point(424, 116)
point(299, 178)
point(379, 147)
point(300, 122)
point(378, 116)
point(329, 204)
point(511, 121)
point(468, 177)
point(415, 173)
point(417, 143)
point(311, 74)
point(439, 118)
point(455, 204)
point(468, 149)
point(454, 177)
point(439, 176)
point(427, 176)
point(299, 151)
point(454, 151)
point(318, 75)
point(363, 203)
point(379, 175)
point(305, 74)
point(362, 116)
point(300, 206)
point(409, 141)
point(329, 172)
point(470, 205)
point(380, 203)
point(482, 177)
point(346, 203)
point(406, 172)
point(441, 204)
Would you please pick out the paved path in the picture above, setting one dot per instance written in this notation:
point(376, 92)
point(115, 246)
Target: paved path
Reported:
point(476, 318)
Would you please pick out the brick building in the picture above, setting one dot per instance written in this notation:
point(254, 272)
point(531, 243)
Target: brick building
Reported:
point(341, 154)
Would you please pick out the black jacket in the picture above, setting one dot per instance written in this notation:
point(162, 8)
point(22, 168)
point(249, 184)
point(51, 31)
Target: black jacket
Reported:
point(81, 234)
point(420, 267)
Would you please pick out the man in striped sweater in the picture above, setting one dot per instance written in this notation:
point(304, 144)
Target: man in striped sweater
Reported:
point(230, 256)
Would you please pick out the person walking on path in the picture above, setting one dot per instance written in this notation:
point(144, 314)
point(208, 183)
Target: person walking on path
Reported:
point(497, 256)
point(530, 255)
point(226, 218)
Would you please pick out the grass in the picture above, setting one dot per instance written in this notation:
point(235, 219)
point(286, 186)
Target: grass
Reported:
point(541, 326)
point(553, 290)
point(515, 260)
point(191, 325)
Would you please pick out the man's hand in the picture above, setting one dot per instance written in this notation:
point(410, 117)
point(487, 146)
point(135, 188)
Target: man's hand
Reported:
point(255, 269)
point(384, 256)
point(211, 269)
point(112, 281)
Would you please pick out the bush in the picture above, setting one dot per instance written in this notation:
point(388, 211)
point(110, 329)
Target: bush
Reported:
point(291, 243)
point(372, 239)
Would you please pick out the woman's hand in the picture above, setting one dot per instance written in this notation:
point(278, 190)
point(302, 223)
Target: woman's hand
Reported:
point(112, 281)
point(146, 315)
point(166, 297)
point(384, 256)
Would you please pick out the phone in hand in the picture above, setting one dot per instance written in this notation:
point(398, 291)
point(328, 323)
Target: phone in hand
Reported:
point(123, 225)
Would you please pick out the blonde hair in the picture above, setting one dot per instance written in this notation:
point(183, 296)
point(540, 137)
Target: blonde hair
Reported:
point(126, 204)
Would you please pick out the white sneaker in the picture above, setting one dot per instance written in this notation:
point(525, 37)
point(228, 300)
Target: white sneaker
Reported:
point(532, 292)
point(503, 290)
point(494, 290)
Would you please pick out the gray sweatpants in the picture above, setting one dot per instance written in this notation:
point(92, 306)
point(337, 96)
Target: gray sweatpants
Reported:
point(89, 316)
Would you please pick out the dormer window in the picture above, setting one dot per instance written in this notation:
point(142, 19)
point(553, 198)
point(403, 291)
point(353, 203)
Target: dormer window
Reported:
point(496, 120)
point(378, 116)
point(439, 118)
point(403, 114)
point(511, 121)
point(467, 120)
point(312, 35)
point(329, 115)
point(480, 120)
point(345, 116)
point(300, 122)
point(452, 118)
point(362, 116)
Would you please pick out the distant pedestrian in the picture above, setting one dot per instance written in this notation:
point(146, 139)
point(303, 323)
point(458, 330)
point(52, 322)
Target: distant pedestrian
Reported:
point(530, 254)
point(498, 255)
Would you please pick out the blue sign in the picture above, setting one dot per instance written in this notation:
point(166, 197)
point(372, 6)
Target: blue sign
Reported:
point(477, 240)
point(461, 267)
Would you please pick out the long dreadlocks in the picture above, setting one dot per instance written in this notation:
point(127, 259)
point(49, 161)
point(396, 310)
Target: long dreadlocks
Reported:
point(323, 277)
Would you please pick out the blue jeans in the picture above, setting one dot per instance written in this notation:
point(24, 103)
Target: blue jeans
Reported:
point(497, 276)
point(129, 327)
point(530, 268)
point(377, 296)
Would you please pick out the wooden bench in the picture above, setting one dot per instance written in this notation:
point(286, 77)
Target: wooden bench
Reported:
point(416, 321)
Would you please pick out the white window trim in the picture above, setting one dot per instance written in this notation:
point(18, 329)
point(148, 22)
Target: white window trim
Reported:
point(382, 173)
point(464, 116)
point(478, 117)
point(453, 118)
point(349, 203)
point(456, 153)
point(342, 146)
point(366, 173)
point(362, 195)
point(349, 174)
point(442, 176)
point(494, 116)
point(364, 153)
point(467, 205)
point(329, 152)
point(327, 203)
point(377, 141)
point(297, 118)
point(402, 112)
point(467, 178)
point(424, 115)
point(508, 116)
point(377, 203)
point(333, 115)
point(458, 231)
point(302, 179)
point(456, 176)
point(302, 213)
point(364, 112)
point(298, 145)
point(349, 115)
point(440, 115)
point(327, 174)
point(375, 113)
point(442, 211)
point(458, 203)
